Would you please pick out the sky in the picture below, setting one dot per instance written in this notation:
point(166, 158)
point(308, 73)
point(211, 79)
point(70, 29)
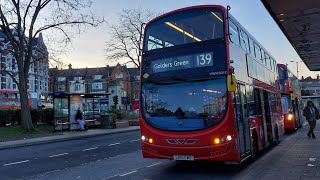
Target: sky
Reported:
point(87, 49)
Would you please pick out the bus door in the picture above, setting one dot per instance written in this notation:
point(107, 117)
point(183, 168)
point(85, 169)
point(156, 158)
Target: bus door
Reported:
point(296, 112)
point(267, 118)
point(242, 121)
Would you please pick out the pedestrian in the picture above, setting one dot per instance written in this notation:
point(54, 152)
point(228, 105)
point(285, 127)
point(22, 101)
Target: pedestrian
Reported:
point(79, 119)
point(312, 114)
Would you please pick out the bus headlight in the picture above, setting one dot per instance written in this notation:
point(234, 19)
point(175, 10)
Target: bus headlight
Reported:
point(146, 139)
point(223, 139)
point(290, 117)
point(229, 138)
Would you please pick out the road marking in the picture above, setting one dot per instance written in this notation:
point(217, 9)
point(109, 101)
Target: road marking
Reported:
point(90, 149)
point(9, 164)
point(305, 123)
point(56, 155)
point(110, 177)
point(310, 165)
point(135, 140)
point(154, 164)
point(312, 159)
point(128, 173)
point(114, 144)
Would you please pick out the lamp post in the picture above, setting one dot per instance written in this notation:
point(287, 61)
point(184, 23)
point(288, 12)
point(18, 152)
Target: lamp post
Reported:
point(297, 67)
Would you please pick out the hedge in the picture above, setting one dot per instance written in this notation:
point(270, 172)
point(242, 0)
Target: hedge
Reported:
point(14, 116)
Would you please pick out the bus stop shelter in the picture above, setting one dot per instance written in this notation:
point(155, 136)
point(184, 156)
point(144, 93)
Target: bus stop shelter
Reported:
point(65, 106)
point(299, 20)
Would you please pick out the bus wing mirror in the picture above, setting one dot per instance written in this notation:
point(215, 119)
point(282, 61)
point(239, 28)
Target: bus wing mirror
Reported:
point(232, 83)
point(292, 96)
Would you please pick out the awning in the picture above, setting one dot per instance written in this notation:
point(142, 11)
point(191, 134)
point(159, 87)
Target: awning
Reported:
point(299, 20)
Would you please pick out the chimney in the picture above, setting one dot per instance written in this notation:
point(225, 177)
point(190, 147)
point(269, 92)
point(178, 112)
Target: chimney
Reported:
point(318, 77)
point(302, 78)
point(70, 66)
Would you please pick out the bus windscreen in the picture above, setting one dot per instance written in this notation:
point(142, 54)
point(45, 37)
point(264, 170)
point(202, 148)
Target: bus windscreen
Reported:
point(198, 105)
point(184, 27)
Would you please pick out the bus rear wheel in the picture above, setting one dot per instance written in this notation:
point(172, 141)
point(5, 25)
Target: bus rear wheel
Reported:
point(254, 149)
point(277, 139)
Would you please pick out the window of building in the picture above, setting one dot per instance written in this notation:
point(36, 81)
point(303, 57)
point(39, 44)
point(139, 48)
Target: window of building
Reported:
point(97, 77)
point(137, 77)
point(97, 86)
point(9, 83)
point(61, 79)
point(77, 78)
point(119, 75)
point(61, 88)
point(77, 87)
point(9, 63)
point(31, 85)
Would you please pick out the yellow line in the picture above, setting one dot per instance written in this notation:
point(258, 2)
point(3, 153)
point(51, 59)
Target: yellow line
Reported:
point(216, 16)
point(182, 31)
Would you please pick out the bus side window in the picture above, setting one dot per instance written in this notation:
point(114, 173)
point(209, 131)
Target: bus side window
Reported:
point(251, 46)
point(257, 100)
point(263, 58)
point(250, 100)
point(244, 41)
point(268, 61)
point(258, 52)
point(234, 33)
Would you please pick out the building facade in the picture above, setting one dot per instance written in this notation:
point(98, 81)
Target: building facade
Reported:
point(310, 86)
point(38, 74)
point(120, 81)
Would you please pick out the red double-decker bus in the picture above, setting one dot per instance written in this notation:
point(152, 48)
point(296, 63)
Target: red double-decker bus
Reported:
point(10, 99)
point(291, 101)
point(208, 89)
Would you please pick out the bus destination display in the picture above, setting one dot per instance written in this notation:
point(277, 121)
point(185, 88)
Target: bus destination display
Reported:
point(182, 62)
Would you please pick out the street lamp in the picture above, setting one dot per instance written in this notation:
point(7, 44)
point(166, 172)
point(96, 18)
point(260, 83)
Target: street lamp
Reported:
point(297, 67)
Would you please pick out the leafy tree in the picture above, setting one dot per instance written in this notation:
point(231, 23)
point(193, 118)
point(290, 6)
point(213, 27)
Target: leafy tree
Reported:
point(125, 38)
point(23, 20)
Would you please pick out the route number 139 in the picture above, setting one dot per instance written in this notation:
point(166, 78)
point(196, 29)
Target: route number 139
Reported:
point(204, 59)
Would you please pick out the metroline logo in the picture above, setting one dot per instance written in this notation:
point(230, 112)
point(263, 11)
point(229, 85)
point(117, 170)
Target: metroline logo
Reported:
point(181, 141)
point(218, 73)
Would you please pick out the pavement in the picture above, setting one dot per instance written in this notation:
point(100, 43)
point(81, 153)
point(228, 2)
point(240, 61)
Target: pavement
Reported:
point(65, 136)
point(297, 157)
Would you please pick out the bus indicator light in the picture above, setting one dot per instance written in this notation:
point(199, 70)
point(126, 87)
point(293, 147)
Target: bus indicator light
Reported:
point(150, 140)
point(217, 141)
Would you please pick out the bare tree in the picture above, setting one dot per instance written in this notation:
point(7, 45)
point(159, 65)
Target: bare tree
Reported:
point(23, 20)
point(126, 37)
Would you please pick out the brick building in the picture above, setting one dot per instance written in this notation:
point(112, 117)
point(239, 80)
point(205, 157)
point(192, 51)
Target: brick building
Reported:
point(117, 80)
point(310, 86)
point(38, 74)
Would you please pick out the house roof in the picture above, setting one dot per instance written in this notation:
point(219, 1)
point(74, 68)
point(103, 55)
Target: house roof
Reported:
point(105, 71)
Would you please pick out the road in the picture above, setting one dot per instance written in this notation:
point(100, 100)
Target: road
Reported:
point(114, 156)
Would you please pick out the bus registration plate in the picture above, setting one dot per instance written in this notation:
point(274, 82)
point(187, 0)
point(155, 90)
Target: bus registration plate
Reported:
point(183, 157)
